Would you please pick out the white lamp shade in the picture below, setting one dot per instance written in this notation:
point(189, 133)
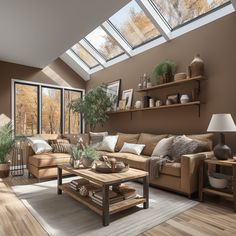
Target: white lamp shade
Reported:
point(221, 123)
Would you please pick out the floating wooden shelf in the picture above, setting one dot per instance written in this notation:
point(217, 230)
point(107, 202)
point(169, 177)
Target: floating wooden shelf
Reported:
point(196, 103)
point(174, 83)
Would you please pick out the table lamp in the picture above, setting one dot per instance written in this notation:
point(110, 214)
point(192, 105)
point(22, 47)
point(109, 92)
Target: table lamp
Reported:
point(222, 123)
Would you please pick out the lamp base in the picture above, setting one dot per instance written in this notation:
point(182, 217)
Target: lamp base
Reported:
point(222, 152)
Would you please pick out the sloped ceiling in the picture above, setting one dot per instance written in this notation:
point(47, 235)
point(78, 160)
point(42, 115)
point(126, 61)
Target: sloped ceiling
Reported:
point(35, 32)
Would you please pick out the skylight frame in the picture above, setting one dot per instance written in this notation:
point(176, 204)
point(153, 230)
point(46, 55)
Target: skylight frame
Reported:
point(123, 36)
point(90, 67)
point(154, 16)
point(191, 20)
point(97, 51)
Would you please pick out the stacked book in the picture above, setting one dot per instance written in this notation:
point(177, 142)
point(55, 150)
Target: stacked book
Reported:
point(76, 184)
point(125, 190)
point(97, 197)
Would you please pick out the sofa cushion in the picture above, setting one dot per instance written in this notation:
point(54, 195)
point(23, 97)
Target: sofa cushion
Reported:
point(173, 169)
point(49, 159)
point(128, 138)
point(108, 144)
point(150, 141)
point(163, 148)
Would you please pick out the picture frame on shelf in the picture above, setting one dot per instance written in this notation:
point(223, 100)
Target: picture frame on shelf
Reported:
point(173, 98)
point(127, 95)
point(122, 104)
point(113, 89)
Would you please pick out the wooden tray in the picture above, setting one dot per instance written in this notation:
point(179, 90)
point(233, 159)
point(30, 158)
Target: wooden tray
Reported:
point(110, 170)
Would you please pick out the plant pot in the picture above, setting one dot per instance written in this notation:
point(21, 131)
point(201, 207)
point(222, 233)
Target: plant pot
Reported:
point(76, 164)
point(87, 163)
point(5, 170)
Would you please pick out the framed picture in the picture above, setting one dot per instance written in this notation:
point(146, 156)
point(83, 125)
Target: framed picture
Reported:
point(122, 104)
point(127, 96)
point(113, 89)
point(174, 98)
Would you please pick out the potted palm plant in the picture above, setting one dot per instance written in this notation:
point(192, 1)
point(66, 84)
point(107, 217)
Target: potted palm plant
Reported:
point(7, 142)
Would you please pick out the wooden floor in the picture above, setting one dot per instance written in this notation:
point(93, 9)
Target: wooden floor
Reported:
point(204, 219)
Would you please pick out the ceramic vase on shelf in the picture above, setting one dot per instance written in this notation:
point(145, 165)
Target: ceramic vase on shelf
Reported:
point(196, 67)
point(184, 99)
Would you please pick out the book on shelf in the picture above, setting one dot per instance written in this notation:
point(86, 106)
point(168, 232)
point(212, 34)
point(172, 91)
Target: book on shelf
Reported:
point(113, 200)
point(125, 190)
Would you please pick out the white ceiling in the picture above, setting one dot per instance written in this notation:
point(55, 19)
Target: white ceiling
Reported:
point(35, 32)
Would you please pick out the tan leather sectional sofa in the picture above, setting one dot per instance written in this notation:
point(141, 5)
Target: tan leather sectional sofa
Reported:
point(181, 177)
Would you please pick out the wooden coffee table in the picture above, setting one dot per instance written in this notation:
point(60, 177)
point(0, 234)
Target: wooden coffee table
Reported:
point(105, 180)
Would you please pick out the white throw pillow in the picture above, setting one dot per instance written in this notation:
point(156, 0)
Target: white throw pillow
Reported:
point(39, 145)
point(163, 148)
point(109, 143)
point(96, 139)
point(132, 148)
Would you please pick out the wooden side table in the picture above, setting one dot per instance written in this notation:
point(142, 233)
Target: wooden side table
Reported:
point(204, 186)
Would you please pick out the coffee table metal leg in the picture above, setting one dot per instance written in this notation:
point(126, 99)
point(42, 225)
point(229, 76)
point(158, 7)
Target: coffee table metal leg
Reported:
point(146, 191)
point(59, 180)
point(105, 206)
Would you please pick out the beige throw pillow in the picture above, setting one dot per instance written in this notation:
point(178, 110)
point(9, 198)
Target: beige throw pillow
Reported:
point(108, 144)
point(39, 145)
point(163, 148)
point(150, 141)
point(132, 148)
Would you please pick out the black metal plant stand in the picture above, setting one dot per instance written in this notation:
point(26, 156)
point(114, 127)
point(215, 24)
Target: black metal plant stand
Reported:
point(17, 164)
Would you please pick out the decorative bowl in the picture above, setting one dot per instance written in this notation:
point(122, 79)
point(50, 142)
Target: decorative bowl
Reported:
point(218, 180)
point(105, 169)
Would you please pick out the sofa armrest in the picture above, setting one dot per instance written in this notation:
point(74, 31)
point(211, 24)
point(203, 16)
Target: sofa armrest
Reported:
point(189, 170)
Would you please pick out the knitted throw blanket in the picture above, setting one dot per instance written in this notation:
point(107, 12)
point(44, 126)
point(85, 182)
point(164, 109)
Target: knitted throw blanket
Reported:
point(154, 165)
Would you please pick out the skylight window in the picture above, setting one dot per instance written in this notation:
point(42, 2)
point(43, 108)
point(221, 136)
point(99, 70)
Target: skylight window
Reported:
point(104, 43)
point(134, 25)
point(85, 56)
point(178, 12)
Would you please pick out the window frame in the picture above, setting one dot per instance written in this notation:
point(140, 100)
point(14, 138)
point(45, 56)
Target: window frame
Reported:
point(189, 21)
point(39, 106)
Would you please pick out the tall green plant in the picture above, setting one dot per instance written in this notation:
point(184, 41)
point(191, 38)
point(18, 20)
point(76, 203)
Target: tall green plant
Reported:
point(7, 142)
point(94, 107)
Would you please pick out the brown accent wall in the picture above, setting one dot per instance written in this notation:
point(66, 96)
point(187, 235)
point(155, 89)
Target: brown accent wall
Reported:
point(216, 42)
point(57, 73)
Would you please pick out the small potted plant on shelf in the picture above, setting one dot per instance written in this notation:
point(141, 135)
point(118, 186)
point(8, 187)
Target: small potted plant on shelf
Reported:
point(7, 142)
point(89, 156)
point(163, 72)
point(76, 156)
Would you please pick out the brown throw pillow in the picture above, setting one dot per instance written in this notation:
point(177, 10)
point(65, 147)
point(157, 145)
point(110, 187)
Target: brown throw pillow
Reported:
point(58, 141)
point(60, 147)
point(128, 138)
point(150, 141)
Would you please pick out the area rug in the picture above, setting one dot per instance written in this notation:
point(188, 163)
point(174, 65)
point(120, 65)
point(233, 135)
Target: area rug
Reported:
point(60, 215)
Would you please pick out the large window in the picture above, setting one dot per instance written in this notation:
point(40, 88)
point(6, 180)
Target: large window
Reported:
point(44, 109)
point(104, 43)
point(178, 12)
point(51, 110)
point(134, 25)
point(26, 109)
point(72, 120)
